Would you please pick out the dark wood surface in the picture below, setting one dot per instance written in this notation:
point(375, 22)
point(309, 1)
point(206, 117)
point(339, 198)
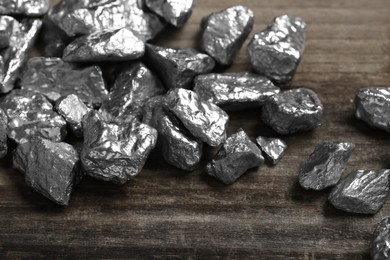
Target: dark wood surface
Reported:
point(166, 213)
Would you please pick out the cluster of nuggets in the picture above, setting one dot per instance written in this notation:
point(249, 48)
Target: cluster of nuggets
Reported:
point(164, 97)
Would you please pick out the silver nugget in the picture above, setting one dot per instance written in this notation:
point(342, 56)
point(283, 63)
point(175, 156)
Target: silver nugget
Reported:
point(237, 155)
point(234, 91)
point(57, 79)
point(32, 8)
point(24, 34)
point(224, 32)
point(361, 191)
point(31, 114)
point(177, 68)
point(203, 119)
point(273, 148)
point(277, 51)
point(134, 85)
point(373, 107)
point(50, 168)
point(115, 150)
point(175, 12)
point(324, 166)
point(380, 243)
point(292, 111)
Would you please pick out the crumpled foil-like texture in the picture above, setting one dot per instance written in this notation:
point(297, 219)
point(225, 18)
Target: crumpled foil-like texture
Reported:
point(72, 109)
point(107, 45)
point(3, 134)
point(24, 34)
point(292, 111)
point(53, 39)
point(224, 32)
point(115, 150)
point(31, 114)
point(324, 166)
point(57, 79)
point(237, 155)
point(177, 68)
point(380, 243)
point(177, 145)
point(373, 107)
point(50, 168)
point(234, 91)
point(133, 86)
point(273, 148)
point(32, 8)
point(361, 191)
point(203, 119)
point(77, 17)
point(6, 26)
point(277, 51)
point(175, 12)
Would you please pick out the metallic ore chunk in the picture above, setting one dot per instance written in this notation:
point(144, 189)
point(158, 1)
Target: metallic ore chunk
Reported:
point(203, 119)
point(30, 114)
point(3, 134)
point(22, 40)
point(324, 167)
point(361, 191)
point(178, 67)
point(273, 148)
point(54, 40)
point(373, 107)
point(72, 109)
point(50, 168)
point(133, 86)
point(108, 45)
point(234, 91)
point(6, 26)
point(224, 32)
point(77, 17)
point(292, 111)
point(237, 155)
point(57, 79)
point(179, 148)
point(276, 51)
point(175, 12)
point(380, 244)
point(24, 7)
point(115, 150)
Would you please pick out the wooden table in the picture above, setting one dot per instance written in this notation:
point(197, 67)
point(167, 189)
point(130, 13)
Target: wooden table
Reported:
point(166, 213)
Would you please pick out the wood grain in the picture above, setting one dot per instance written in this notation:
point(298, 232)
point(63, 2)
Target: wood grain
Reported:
point(165, 213)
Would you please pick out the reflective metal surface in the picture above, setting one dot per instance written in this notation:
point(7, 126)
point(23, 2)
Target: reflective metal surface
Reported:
point(380, 243)
point(273, 148)
point(24, 7)
point(3, 134)
point(175, 12)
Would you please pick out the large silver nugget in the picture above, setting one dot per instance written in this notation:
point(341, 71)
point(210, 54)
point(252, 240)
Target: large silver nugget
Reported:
point(24, 7)
point(361, 191)
point(373, 107)
point(57, 79)
point(72, 109)
point(50, 168)
point(24, 34)
point(175, 12)
point(108, 45)
point(178, 67)
point(237, 155)
point(292, 111)
point(3, 134)
point(273, 148)
point(234, 91)
point(115, 150)
point(324, 166)
point(77, 17)
point(203, 119)
point(380, 243)
point(178, 146)
point(277, 51)
point(134, 85)
point(6, 26)
point(31, 114)
point(224, 32)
